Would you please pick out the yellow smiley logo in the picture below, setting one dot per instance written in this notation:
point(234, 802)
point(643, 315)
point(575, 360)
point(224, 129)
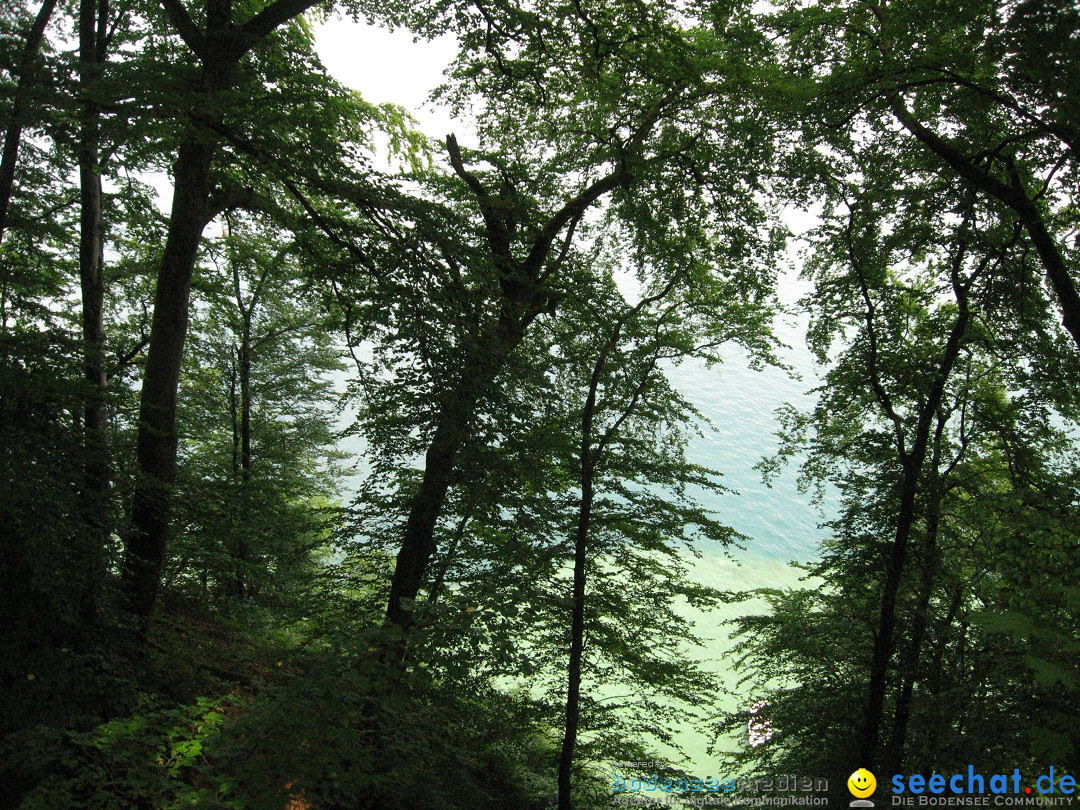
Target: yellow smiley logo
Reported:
point(861, 783)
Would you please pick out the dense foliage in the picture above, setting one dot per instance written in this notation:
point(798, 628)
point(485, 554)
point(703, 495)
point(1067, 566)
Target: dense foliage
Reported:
point(203, 604)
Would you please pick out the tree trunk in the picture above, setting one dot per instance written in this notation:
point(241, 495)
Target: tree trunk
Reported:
point(220, 50)
point(93, 21)
point(936, 680)
point(234, 410)
point(241, 551)
point(419, 545)
point(19, 107)
point(156, 441)
point(589, 456)
point(245, 405)
point(912, 461)
point(577, 621)
point(522, 300)
point(894, 756)
point(883, 642)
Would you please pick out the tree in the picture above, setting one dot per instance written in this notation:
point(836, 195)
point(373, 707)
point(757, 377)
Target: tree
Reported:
point(500, 600)
point(658, 150)
point(96, 33)
point(912, 447)
point(875, 85)
point(219, 46)
point(995, 113)
point(908, 274)
point(523, 296)
point(253, 499)
point(625, 393)
point(26, 78)
point(966, 660)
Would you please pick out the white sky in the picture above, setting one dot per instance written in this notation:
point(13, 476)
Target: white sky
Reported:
point(390, 66)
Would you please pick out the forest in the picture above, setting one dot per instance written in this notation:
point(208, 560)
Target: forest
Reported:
point(341, 464)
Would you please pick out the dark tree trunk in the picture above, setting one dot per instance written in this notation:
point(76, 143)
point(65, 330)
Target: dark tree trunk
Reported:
point(577, 620)
point(913, 458)
point(156, 440)
point(234, 410)
point(241, 551)
point(19, 107)
point(894, 755)
point(419, 545)
point(220, 50)
point(590, 455)
point(935, 494)
point(883, 642)
point(245, 405)
point(93, 28)
point(936, 679)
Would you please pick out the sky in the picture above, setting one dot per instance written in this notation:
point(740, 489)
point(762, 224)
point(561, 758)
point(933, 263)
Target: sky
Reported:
point(389, 66)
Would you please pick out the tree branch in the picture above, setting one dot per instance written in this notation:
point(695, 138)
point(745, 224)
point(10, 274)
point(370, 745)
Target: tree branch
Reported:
point(324, 226)
point(185, 26)
point(470, 179)
point(880, 393)
point(1013, 195)
point(498, 232)
point(227, 199)
point(572, 210)
point(270, 18)
point(123, 359)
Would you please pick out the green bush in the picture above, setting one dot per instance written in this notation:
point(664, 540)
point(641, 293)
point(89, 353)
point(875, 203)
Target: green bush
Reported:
point(154, 758)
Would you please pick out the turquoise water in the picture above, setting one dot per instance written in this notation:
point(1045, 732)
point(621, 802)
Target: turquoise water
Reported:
point(781, 522)
point(740, 406)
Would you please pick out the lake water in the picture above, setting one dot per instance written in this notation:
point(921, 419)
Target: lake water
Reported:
point(781, 522)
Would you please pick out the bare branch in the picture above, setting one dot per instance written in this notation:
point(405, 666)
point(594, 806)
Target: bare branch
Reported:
point(470, 179)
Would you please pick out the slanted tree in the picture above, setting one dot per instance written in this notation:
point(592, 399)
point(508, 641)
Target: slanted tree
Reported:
point(657, 142)
point(523, 295)
point(541, 567)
